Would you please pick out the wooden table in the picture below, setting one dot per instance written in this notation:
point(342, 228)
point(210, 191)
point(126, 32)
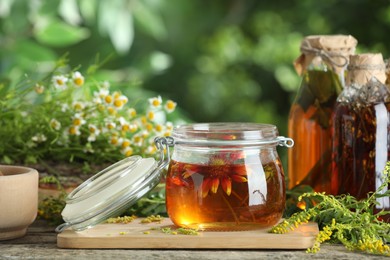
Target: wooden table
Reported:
point(40, 243)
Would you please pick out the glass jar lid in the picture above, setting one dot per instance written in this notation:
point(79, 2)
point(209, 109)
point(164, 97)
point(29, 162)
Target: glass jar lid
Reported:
point(229, 134)
point(114, 189)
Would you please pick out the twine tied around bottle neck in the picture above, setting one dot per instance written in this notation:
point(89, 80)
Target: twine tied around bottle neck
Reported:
point(326, 56)
point(366, 67)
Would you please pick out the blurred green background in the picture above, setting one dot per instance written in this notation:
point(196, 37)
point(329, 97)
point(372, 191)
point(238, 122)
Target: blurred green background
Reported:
point(221, 60)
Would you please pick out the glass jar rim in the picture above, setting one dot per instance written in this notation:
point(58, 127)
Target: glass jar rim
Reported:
point(227, 133)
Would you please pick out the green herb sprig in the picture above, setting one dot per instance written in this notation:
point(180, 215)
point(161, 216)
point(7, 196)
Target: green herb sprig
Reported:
point(346, 220)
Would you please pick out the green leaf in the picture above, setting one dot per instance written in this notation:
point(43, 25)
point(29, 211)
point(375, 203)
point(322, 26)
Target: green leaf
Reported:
point(149, 20)
point(60, 34)
point(31, 52)
point(115, 19)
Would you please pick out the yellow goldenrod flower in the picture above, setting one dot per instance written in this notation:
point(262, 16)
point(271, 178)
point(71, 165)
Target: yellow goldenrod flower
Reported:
point(170, 106)
point(39, 89)
point(59, 82)
point(55, 124)
point(155, 102)
point(78, 79)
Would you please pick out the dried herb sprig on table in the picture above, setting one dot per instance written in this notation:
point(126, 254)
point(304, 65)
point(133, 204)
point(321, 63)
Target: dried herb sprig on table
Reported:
point(346, 220)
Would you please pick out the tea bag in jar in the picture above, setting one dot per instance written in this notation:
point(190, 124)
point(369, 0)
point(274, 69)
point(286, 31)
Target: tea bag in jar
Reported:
point(361, 142)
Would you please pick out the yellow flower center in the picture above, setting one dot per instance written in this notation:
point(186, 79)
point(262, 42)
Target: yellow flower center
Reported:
point(111, 111)
point(159, 128)
point(77, 121)
point(217, 162)
point(171, 105)
point(108, 99)
point(129, 152)
point(132, 113)
point(60, 81)
point(125, 127)
point(150, 115)
point(125, 144)
point(149, 127)
point(73, 130)
point(77, 106)
point(118, 103)
point(114, 140)
point(156, 102)
point(78, 81)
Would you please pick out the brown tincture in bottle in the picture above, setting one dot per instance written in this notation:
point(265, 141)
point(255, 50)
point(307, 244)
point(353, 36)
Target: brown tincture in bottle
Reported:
point(361, 130)
point(322, 65)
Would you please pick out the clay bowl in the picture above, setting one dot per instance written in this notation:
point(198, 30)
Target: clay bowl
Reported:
point(18, 200)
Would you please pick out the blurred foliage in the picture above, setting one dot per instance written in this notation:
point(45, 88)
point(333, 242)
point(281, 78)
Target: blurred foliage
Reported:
point(222, 61)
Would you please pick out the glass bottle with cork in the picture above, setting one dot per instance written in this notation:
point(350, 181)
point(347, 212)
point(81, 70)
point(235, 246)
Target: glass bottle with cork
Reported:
point(361, 143)
point(322, 65)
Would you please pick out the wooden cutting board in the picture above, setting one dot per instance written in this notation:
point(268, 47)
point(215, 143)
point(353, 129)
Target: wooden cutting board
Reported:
point(132, 236)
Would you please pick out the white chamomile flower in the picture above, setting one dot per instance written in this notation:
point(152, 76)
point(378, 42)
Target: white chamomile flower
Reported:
point(93, 132)
point(120, 101)
point(155, 102)
point(78, 120)
point(169, 126)
point(74, 130)
point(59, 82)
point(64, 107)
point(39, 138)
point(105, 85)
point(39, 89)
point(128, 151)
point(170, 106)
point(78, 105)
point(55, 124)
point(78, 79)
point(131, 112)
point(151, 115)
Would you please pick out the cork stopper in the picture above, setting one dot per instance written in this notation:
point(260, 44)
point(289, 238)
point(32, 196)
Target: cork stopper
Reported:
point(363, 67)
point(334, 50)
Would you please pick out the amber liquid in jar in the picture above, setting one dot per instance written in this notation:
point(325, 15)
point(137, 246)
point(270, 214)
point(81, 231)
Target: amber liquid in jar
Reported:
point(222, 195)
point(361, 150)
point(310, 126)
